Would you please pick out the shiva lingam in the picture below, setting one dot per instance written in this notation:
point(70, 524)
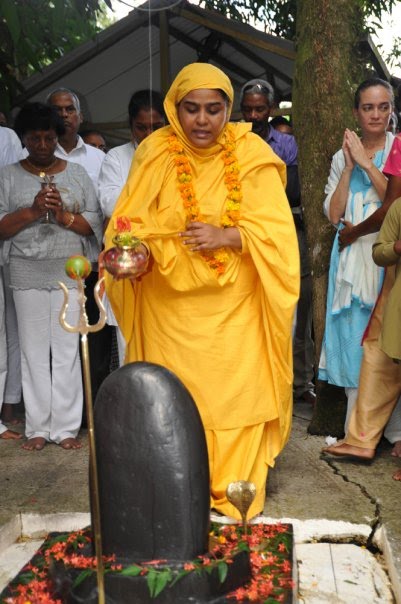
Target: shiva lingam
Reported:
point(149, 486)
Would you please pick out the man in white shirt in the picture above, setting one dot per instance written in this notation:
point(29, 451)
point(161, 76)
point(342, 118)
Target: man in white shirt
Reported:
point(10, 147)
point(10, 153)
point(72, 148)
point(146, 114)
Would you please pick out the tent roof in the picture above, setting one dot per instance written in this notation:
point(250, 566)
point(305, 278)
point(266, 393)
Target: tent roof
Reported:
point(105, 71)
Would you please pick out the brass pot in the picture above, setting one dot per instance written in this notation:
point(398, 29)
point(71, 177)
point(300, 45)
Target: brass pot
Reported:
point(126, 259)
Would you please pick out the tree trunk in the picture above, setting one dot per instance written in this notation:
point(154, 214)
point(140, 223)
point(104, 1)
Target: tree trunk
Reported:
point(326, 71)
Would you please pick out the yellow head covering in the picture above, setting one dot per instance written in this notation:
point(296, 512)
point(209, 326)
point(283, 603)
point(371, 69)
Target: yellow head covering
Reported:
point(194, 77)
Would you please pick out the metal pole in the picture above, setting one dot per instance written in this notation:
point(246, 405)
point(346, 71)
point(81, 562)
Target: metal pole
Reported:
point(84, 328)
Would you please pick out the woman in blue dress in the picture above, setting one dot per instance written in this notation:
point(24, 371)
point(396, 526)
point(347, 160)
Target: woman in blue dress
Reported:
point(355, 189)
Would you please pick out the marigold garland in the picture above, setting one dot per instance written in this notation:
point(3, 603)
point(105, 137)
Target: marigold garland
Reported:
point(270, 554)
point(216, 259)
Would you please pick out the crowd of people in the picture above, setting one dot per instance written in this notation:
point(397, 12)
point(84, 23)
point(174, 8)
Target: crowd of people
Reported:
point(226, 300)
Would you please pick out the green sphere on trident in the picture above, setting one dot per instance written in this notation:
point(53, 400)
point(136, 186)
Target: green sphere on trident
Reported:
point(78, 268)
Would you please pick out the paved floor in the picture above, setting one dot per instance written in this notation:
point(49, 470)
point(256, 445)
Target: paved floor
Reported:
point(302, 487)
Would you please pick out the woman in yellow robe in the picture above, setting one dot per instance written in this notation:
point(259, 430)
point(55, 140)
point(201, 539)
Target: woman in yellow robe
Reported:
point(219, 317)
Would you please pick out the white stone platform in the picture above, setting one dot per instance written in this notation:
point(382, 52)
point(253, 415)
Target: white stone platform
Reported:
point(326, 572)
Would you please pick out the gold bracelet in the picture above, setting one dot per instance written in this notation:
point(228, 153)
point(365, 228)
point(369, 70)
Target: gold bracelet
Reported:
point(71, 220)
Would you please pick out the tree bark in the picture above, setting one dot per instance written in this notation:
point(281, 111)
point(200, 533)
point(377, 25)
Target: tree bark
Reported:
point(327, 69)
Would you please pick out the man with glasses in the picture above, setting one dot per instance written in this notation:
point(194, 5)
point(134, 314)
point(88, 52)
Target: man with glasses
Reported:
point(257, 102)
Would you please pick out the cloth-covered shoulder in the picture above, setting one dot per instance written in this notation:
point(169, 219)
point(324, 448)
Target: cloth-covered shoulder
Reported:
point(253, 146)
point(337, 166)
point(117, 152)
point(254, 153)
point(77, 171)
point(383, 248)
point(94, 154)
point(392, 166)
point(394, 211)
point(154, 145)
point(338, 157)
point(112, 155)
point(9, 170)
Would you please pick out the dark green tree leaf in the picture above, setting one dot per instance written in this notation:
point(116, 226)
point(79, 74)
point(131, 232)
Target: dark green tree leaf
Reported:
point(157, 581)
point(9, 13)
point(223, 570)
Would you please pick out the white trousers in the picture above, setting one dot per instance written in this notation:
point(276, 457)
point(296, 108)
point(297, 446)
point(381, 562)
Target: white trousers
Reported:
point(3, 348)
point(12, 393)
point(50, 364)
point(121, 346)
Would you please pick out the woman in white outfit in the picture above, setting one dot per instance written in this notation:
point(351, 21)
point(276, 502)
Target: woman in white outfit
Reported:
point(354, 191)
point(42, 225)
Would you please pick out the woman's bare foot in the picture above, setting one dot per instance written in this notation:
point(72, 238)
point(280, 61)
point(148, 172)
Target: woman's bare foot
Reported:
point(397, 475)
point(396, 452)
point(10, 435)
point(70, 443)
point(342, 449)
point(34, 444)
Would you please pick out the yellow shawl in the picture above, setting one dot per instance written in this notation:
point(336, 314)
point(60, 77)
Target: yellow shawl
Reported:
point(269, 249)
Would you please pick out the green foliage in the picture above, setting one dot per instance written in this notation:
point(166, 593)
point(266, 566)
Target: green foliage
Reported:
point(82, 576)
point(279, 16)
point(35, 33)
point(158, 580)
point(131, 571)
point(223, 570)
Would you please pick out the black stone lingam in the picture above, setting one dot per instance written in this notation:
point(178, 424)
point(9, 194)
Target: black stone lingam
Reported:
point(154, 489)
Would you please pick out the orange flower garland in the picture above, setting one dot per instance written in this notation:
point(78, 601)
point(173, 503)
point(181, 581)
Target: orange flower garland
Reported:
point(216, 259)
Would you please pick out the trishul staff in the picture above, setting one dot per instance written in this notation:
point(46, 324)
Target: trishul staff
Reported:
point(78, 268)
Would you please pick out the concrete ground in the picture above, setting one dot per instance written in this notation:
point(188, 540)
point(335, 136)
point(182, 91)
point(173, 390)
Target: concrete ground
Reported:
point(303, 485)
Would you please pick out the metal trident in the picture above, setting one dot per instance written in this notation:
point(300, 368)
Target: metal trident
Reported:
point(84, 328)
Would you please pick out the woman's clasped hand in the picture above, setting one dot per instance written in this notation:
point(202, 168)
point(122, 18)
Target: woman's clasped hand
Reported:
point(48, 198)
point(201, 237)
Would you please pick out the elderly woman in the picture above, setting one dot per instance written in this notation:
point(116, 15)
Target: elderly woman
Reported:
point(48, 208)
point(217, 302)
